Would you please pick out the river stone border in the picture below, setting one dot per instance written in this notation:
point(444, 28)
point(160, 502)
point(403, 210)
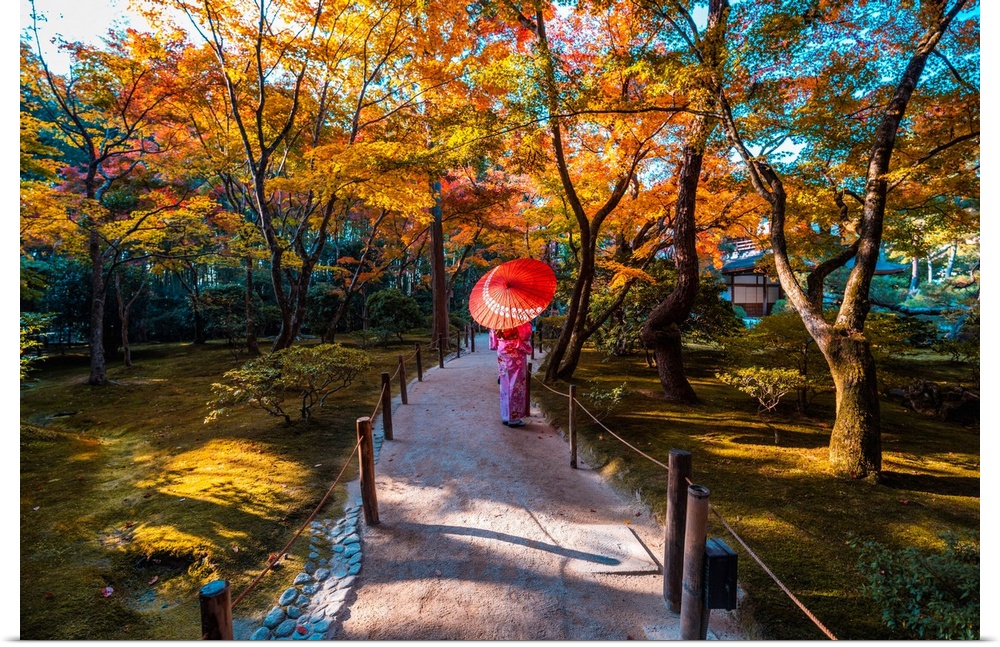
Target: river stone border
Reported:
point(308, 608)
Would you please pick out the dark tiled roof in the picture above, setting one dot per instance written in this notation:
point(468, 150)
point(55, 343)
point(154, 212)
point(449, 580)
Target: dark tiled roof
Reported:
point(742, 264)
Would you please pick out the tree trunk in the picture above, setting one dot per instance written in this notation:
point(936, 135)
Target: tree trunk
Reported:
point(98, 372)
point(439, 284)
point(252, 347)
point(199, 323)
point(952, 253)
point(855, 444)
point(661, 333)
point(914, 277)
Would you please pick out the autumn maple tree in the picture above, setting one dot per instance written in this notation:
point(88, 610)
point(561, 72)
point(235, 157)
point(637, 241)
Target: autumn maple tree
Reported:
point(912, 37)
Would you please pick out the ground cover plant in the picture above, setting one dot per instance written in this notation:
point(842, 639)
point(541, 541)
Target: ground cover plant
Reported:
point(770, 480)
point(130, 502)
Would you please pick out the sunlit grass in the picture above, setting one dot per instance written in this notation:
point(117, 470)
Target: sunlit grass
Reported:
point(769, 479)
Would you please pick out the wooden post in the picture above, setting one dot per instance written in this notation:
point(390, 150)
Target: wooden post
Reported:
point(467, 328)
point(694, 614)
point(441, 342)
point(386, 407)
point(532, 343)
point(572, 426)
point(420, 365)
point(472, 339)
point(458, 345)
point(216, 611)
point(673, 546)
point(369, 502)
point(527, 389)
point(402, 381)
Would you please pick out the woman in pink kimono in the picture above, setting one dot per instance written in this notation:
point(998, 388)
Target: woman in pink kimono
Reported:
point(512, 346)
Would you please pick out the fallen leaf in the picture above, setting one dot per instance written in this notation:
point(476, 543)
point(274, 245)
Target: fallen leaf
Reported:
point(50, 596)
point(904, 501)
point(318, 465)
point(36, 507)
point(129, 524)
point(437, 572)
point(236, 549)
point(638, 514)
point(154, 580)
point(302, 630)
point(107, 591)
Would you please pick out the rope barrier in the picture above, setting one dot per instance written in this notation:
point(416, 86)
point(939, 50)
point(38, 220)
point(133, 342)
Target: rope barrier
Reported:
point(378, 402)
point(633, 448)
point(753, 555)
point(784, 588)
point(307, 522)
point(565, 395)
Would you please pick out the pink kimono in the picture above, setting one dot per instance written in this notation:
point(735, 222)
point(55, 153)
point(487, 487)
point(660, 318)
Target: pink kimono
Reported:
point(512, 362)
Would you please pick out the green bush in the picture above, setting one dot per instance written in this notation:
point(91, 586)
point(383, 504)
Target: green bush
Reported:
point(781, 341)
point(931, 595)
point(310, 373)
point(391, 310)
point(766, 385)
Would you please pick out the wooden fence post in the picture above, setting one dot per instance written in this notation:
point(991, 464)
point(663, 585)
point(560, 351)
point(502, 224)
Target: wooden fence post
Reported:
point(673, 546)
point(216, 611)
point(472, 338)
point(532, 343)
point(458, 345)
point(694, 614)
point(572, 426)
point(468, 327)
point(369, 501)
point(402, 381)
point(441, 342)
point(420, 365)
point(386, 407)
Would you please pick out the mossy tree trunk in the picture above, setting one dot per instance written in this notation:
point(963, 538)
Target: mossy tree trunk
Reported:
point(856, 441)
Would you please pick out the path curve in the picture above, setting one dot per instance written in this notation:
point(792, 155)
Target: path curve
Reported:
point(487, 533)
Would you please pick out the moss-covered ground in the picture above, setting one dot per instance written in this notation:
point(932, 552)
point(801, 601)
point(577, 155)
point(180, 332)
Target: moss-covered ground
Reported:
point(769, 479)
point(126, 487)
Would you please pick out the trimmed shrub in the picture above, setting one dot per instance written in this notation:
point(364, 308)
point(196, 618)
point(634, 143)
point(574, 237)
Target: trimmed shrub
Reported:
point(311, 373)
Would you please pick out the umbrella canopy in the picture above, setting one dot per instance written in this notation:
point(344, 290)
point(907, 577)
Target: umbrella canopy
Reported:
point(512, 293)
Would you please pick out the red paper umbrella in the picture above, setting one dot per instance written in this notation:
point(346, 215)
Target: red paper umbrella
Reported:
point(512, 293)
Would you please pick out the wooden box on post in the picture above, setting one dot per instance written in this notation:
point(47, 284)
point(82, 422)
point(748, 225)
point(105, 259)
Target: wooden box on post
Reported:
point(720, 575)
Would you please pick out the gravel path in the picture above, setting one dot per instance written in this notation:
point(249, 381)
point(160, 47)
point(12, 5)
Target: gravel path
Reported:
point(486, 533)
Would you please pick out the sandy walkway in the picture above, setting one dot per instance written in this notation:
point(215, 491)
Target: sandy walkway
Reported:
point(486, 532)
